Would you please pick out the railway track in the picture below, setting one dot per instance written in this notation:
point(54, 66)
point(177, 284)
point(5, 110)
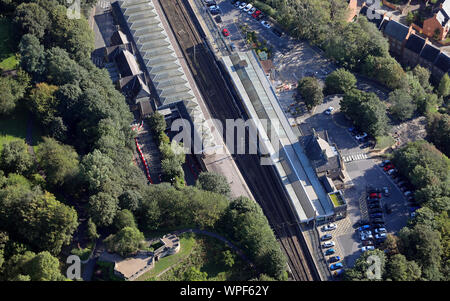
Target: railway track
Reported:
point(262, 180)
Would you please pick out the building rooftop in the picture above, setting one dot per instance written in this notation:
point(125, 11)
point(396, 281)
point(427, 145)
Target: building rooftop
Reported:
point(443, 62)
point(286, 154)
point(126, 63)
point(396, 30)
point(415, 43)
point(430, 53)
point(118, 38)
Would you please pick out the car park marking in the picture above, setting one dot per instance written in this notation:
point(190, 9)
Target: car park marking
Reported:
point(349, 158)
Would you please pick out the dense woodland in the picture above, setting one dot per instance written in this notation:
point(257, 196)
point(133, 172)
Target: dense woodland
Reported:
point(83, 168)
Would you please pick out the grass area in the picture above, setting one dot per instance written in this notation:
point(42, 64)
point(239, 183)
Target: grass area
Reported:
point(8, 59)
point(336, 199)
point(208, 256)
point(383, 142)
point(14, 127)
point(187, 243)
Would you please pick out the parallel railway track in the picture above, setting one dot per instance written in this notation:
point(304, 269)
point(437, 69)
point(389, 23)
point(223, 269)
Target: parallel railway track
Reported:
point(262, 180)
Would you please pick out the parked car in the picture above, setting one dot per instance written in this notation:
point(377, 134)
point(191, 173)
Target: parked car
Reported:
point(330, 252)
point(376, 210)
point(378, 220)
point(407, 193)
point(366, 237)
point(386, 191)
point(401, 183)
point(238, 4)
point(376, 215)
point(388, 167)
point(214, 10)
point(372, 189)
point(326, 237)
point(328, 244)
point(256, 14)
point(387, 208)
point(334, 259)
point(380, 230)
point(366, 232)
point(218, 19)
point(242, 5)
point(380, 236)
point(247, 8)
point(378, 225)
point(225, 32)
point(329, 227)
point(360, 223)
point(385, 162)
point(338, 273)
point(361, 136)
point(336, 266)
point(252, 11)
point(375, 195)
point(392, 172)
point(367, 248)
point(365, 227)
point(265, 24)
point(367, 243)
point(279, 34)
point(374, 206)
point(329, 110)
point(210, 2)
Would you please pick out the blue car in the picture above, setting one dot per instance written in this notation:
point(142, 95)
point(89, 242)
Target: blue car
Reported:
point(336, 266)
point(338, 273)
point(365, 227)
point(330, 252)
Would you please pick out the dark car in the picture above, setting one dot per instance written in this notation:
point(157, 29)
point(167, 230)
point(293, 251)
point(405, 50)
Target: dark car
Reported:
point(334, 259)
point(373, 190)
point(378, 225)
point(376, 215)
point(375, 210)
point(374, 206)
point(277, 32)
point(218, 19)
point(360, 223)
point(378, 220)
point(260, 16)
point(367, 243)
point(387, 208)
point(326, 237)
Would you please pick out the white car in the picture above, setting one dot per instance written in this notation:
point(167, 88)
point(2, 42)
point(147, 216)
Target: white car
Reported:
point(251, 11)
point(366, 232)
point(329, 227)
point(237, 4)
point(362, 136)
point(328, 244)
point(366, 237)
point(247, 8)
point(243, 4)
point(367, 248)
point(380, 230)
point(381, 235)
point(407, 193)
point(265, 24)
point(329, 110)
point(214, 7)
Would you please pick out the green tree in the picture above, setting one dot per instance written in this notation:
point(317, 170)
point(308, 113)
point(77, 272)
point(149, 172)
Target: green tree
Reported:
point(194, 274)
point(339, 81)
point(11, 90)
point(31, 18)
point(92, 230)
point(385, 70)
point(213, 182)
point(361, 269)
point(171, 169)
point(14, 157)
point(402, 107)
point(99, 172)
point(444, 86)
point(59, 162)
point(130, 200)
point(103, 208)
point(125, 242)
point(398, 268)
point(423, 76)
point(124, 218)
point(438, 130)
point(32, 56)
point(43, 102)
point(310, 91)
point(228, 258)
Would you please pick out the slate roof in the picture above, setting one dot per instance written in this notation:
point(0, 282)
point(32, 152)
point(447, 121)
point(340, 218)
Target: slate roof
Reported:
point(443, 62)
point(118, 38)
point(126, 63)
point(430, 53)
point(443, 14)
point(134, 87)
point(396, 30)
point(415, 43)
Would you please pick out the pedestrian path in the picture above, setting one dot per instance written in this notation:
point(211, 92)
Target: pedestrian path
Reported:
point(349, 158)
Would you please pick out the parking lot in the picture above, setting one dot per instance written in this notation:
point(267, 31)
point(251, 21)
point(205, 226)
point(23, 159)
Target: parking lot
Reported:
point(292, 60)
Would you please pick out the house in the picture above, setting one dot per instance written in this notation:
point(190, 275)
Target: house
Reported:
point(428, 56)
point(441, 66)
point(397, 34)
point(373, 16)
point(412, 50)
point(126, 63)
point(438, 25)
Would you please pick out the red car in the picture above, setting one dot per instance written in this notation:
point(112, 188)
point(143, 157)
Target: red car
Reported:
point(225, 32)
point(388, 167)
point(374, 195)
point(256, 14)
